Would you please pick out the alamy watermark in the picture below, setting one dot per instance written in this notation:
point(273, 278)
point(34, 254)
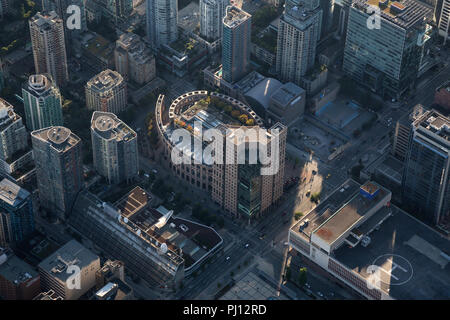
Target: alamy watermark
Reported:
point(396, 269)
point(261, 145)
point(74, 20)
point(374, 19)
point(74, 280)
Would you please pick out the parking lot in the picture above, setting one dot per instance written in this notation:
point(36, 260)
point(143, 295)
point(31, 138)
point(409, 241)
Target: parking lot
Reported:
point(307, 136)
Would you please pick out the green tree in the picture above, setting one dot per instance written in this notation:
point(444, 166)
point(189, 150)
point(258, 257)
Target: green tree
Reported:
point(298, 215)
point(243, 118)
point(302, 277)
point(235, 114)
point(288, 273)
point(315, 197)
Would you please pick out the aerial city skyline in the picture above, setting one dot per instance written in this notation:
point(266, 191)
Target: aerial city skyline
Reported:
point(225, 150)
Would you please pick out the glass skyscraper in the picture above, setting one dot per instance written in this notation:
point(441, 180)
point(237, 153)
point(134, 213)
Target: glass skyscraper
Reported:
point(426, 174)
point(236, 46)
point(16, 213)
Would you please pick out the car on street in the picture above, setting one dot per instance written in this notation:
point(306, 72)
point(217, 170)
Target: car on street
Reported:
point(262, 237)
point(307, 285)
point(246, 245)
point(320, 294)
point(227, 258)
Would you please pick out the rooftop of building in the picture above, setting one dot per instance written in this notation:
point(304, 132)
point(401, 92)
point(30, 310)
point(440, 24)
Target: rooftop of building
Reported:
point(414, 259)
point(45, 19)
point(11, 193)
point(135, 47)
point(387, 166)
point(301, 15)
point(49, 295)
point(60, 138)
point(14, 269)
point(408, 118)
point(105, 81)
point(435, 123)
point(351, 212)
point(404, 13)
point(263, 91)
point(194, 240)
point(116, 289)
point(110, 127)
point(109, 267)
point(235, 16)
point(98, 46)
point(288, 94)
point(326, 208)
point(249, 81)
point(71, 254)
point(444, 87)
point(39, 84)
point(7, 114)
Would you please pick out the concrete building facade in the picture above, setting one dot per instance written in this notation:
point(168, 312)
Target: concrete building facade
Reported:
point(42, 102)
point(59, 170)
point(133, 60)
point(107, 92)
point(211, 16)
point(49, 48)
point(162, 17)
point(298, 32)
point(114, 147)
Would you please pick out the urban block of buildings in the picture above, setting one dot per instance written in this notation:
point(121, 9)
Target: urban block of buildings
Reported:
point(114, 147)
point(57, 155)
point(298, 32)
point(69, 271)
point(133, 60)
point(154, 245)
point(372, 247)
point(386, 60)
point(107, 92)
point(239, 189)
point(18, 280)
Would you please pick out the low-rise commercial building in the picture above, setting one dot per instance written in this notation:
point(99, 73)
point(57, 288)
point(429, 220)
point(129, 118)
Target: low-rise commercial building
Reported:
point(70, 271)
point(374, 248)
point(157, 247)
point(18, 280)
